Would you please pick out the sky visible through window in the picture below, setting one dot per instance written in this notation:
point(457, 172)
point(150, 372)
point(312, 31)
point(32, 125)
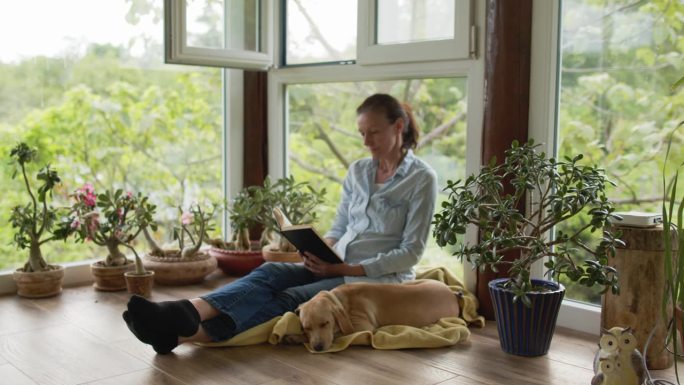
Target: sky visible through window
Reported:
point(54, 28)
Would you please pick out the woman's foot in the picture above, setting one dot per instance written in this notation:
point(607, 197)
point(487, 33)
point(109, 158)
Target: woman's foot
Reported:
point(160, 324)
point(161, 343)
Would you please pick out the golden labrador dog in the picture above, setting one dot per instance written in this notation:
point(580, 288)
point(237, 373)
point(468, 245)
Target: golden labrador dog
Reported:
point(367, 306)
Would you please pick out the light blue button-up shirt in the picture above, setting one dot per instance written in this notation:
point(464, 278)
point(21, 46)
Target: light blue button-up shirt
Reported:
point(385, 230)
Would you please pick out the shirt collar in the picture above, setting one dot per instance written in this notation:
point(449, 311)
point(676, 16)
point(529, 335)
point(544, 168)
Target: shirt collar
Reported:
point(404, 166)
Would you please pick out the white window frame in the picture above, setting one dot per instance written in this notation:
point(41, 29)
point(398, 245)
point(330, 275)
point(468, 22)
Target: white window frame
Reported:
point(543, 123)
point(462, 46)
point(178, 52)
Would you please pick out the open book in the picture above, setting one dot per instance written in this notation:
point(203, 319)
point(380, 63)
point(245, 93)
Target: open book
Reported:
point(305, 238)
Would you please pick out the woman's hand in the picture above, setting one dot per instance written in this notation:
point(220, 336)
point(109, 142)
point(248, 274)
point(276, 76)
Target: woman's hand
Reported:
point(323, 269)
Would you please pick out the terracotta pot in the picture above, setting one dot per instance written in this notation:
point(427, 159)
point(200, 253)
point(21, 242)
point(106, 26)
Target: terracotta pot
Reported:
point(238, 262)
point(174, 271)
point(40, 284)
point(110, 278)
point(140, 284)
point(272, 255)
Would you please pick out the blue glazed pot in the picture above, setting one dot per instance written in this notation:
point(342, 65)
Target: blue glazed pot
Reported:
point(526, 331)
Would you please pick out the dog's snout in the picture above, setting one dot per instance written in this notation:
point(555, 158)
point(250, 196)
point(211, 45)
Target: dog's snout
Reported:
point(318, 347)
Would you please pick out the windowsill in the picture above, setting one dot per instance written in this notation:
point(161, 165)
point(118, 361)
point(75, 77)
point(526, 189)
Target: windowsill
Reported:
point(580, 316)
point(75, 273)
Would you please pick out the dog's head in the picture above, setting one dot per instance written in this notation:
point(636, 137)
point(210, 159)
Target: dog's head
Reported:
point(322, 317)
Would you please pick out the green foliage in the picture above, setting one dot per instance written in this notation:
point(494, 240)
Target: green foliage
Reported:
point(558, 190)
point(619, 60)
point(36, 222)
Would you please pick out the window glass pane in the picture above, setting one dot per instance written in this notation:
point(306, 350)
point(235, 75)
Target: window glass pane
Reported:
point(204, 20)
point(324, 138)
point(320, 31)
point(94, 97)
point(205, 24)
point(406, 21)
point(619, 59)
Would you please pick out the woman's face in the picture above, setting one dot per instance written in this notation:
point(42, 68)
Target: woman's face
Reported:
point(380, 136)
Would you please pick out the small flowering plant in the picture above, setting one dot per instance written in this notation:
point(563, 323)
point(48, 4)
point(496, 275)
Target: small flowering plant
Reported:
point(111, 219)
point(36, 222)
point(192, 231)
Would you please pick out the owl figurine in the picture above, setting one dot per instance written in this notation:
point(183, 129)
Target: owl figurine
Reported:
point(620, 345)
point(608, 370)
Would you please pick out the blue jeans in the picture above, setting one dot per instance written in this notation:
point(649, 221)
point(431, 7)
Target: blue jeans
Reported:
point(268, 291)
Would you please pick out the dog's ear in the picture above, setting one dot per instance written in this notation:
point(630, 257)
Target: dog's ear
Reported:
point(342, 318)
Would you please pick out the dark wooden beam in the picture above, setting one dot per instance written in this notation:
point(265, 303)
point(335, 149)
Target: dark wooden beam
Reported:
point(507, 95)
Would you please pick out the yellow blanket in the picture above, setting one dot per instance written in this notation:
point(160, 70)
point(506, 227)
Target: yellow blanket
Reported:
point(446, 332)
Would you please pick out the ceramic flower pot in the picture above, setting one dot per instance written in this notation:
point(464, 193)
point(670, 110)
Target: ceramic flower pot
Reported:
point(110, 278)
point(140, 284)
point(272, 255)
point(526, 331)
point(171, 270)
point(39, 284)
point(238, 262)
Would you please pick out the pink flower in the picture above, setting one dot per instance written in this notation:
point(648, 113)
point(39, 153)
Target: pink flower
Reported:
point(129, 194)
point(119, 212)
point(75, 224)
point(187, 218)
point(87, 195)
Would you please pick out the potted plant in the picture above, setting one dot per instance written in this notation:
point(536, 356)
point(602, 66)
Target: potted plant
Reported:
point(673, 219)
point(297, 201)
point(112, 219)
point(188, 263)
point(554, 191)
point(37, 223)
point(140, 280)
point(241, 255)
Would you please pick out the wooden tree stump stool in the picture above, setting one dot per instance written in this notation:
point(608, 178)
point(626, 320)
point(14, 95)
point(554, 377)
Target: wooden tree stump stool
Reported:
point(641, 268)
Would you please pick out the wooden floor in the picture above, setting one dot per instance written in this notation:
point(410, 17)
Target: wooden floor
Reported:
point(80, 338)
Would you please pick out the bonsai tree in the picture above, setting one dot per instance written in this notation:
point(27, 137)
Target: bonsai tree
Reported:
point(194, 225)
point(37, 222)
point(296, 200)
point(111, 219)
point(554, 191)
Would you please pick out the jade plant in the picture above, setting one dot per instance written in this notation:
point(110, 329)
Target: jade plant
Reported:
point(37, 222)
point(254, 205)
point(554, 191)
point(112, 219)
point(296, 200)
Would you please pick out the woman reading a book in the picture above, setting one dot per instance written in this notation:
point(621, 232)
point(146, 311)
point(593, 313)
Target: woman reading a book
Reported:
point(380, 231)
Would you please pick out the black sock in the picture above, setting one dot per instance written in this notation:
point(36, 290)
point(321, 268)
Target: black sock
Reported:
point(169, 317)
point(162, 343)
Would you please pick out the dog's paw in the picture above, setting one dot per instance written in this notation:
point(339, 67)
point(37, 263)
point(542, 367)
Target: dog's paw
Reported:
point(294, 339)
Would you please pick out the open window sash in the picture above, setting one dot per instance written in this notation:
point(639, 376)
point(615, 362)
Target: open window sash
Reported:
point(241, 28)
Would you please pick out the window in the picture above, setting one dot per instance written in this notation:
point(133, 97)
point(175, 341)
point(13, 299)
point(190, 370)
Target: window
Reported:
point(618, 61)
point(227, 33)
point(394, 31)
point(324, 140)
point(95, 98)
point(319, 32)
